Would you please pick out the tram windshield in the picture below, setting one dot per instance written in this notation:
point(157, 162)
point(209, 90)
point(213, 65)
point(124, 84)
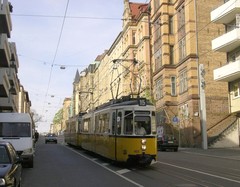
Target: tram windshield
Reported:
point(138, 125)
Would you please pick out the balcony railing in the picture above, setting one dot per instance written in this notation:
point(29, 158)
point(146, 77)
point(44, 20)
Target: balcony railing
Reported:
point(4, 51)
point(227, 73)
point(4, 82)
point(227, 42)
point(226, 13)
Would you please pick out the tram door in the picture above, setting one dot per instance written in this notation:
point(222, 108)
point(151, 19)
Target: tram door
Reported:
point(117, 127)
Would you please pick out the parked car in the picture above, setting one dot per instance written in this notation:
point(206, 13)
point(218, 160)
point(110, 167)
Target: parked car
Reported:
point(167, 142)
point(10, 165)
point(51, 138)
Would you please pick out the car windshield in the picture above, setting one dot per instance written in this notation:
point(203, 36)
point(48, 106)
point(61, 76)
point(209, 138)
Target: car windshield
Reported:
point(4, 158)
point(51, 135)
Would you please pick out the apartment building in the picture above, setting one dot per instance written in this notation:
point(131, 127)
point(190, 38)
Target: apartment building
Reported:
point(227, 14)
point(124, 69)
point(164, 53)
point(187, 97)
point(13, 97)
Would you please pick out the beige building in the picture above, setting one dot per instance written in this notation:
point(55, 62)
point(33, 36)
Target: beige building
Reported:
point(13, 97)
point(66, 112)
point(124, 69)
point(164, 53)
point(183, 65)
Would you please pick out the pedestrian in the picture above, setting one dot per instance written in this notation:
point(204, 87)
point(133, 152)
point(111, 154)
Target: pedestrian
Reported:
point(36, 136)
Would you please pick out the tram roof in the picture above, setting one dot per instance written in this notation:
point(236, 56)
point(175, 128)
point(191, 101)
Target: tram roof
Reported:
point(125, 100)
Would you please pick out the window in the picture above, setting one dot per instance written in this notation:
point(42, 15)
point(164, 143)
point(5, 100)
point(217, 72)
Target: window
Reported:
point(171, 54)
point(134, 37)
point(158, 59)
point(170, 24)
point(159, 88)
point(15, 129)
point(86, 124)
point(182, 48)
point(119, 122)
point(103, 123)
point(181, 32)
point(128, 122)
point(235, 89)
point(156, 5)
point(181, 17)
point(173, 86)
point(233, 56)
point(183, 81)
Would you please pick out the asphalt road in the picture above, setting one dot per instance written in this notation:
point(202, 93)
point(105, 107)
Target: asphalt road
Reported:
point(58, 165)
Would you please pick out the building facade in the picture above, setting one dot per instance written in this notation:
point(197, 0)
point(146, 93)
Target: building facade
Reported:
point(183, 65)
point(13, 97)
point(123, 69)
point(164, 53)
point(227, 15)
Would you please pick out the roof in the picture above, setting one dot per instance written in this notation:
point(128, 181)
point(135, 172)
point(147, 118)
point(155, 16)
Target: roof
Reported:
point(137, 8)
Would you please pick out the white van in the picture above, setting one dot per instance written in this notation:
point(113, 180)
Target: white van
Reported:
point(17, 128)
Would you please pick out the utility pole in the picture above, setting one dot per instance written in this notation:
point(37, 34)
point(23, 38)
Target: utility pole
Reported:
point(203, 106)
point(201, 89)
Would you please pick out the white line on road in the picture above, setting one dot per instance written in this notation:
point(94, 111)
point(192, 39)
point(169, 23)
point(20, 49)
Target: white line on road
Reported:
point(122, 171)
point(204, 173)
point(116, 173)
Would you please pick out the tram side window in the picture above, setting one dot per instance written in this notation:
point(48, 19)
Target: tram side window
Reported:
point(97, 124)
point(86, 125)
point(153, 124)
point(106, 123)
point(119, 122)
point(128, 122)
point(79, 125)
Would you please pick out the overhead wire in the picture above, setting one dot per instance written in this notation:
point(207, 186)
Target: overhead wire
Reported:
point(65, 17)
point(56, 51)
point(77, 17)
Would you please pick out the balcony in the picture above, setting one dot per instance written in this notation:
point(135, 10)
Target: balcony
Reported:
point(226, 13)
point(227, 73)
point(13, 79)
point(4, 83)
point(14, 57)
point(227, 42)
point(4, 51)
point(5, 18)
point(8, 103)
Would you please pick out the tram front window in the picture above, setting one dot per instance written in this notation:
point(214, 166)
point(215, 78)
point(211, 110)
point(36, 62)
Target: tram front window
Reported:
point(138, 125)
point(142, 125)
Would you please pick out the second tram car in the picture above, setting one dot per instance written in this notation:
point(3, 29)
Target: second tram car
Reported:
point(122, 130)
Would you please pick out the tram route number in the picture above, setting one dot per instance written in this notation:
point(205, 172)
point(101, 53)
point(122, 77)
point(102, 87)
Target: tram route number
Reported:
point(142, 102)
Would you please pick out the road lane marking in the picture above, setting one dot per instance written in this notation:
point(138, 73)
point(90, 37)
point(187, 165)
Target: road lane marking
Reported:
point(122, 171)
point(116, 173)
point(201, 172)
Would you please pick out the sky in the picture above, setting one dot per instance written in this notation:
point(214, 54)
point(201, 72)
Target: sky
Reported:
point(50, 34)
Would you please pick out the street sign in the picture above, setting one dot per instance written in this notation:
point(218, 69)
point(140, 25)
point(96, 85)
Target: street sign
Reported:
point(175, 120)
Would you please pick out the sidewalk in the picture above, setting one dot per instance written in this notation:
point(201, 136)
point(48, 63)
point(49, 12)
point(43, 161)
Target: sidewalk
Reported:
point(228, 153)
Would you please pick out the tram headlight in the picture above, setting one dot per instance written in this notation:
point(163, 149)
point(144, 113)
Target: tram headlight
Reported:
point(144, 147)
point(143, 141)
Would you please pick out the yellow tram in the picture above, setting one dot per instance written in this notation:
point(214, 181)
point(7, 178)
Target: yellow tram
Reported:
point(122, 130)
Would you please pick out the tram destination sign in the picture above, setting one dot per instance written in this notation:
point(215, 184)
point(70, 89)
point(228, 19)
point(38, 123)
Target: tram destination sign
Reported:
point(142, 102)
